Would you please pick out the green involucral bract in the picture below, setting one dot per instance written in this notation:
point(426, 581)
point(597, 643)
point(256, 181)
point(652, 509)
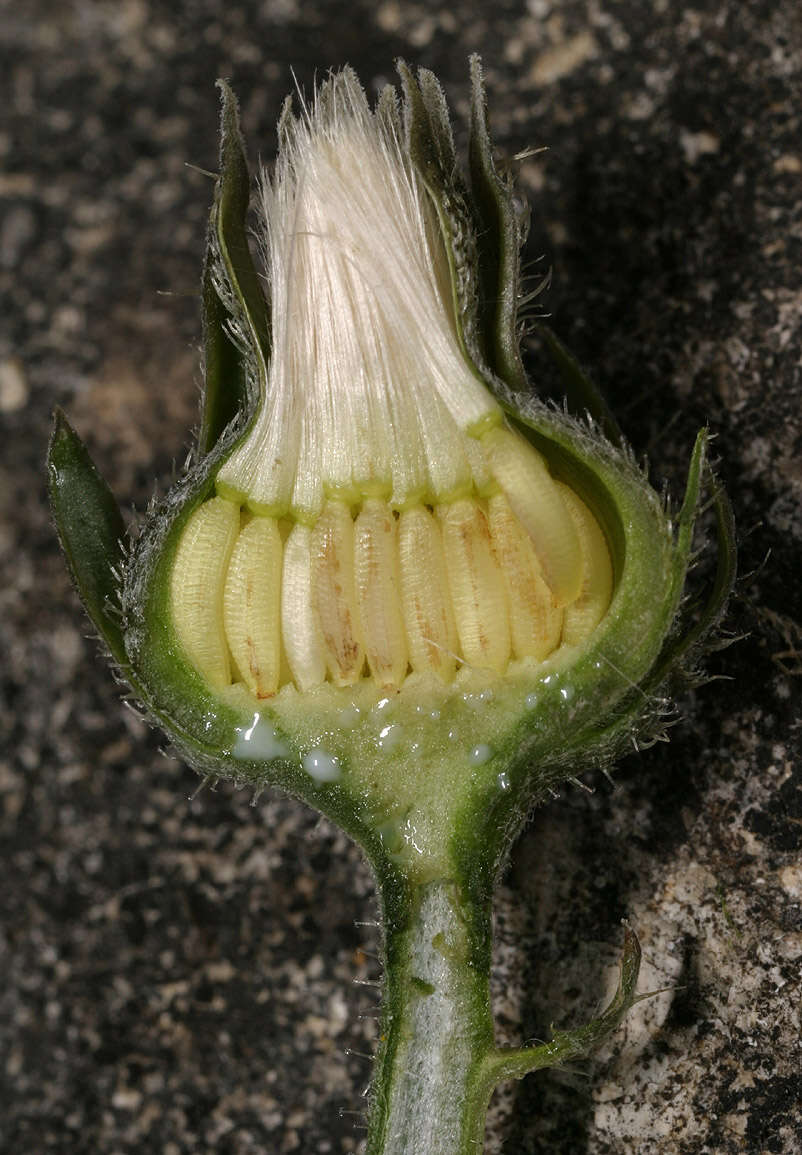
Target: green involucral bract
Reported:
point(276, 624)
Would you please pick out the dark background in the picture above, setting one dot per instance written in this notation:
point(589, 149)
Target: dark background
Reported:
point(175, 975)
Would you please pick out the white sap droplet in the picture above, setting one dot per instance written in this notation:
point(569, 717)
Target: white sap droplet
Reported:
point(389, 737)
point(349, 716)
point(382, 704)
point(434, 714)
point(453, 735)
point(567, 693)
point(503, 782)
point(321, 766)
point(478, 701)
point(480, 754)
point(259, 742)
point(531, 701)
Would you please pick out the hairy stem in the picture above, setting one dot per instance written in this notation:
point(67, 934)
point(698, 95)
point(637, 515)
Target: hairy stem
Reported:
point(430, 1089)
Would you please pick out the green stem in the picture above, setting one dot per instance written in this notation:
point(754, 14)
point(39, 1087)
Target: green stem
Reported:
point(437, 1063)
point(430, 1089)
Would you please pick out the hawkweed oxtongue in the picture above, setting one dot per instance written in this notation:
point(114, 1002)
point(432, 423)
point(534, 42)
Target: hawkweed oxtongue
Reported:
point(394, 582)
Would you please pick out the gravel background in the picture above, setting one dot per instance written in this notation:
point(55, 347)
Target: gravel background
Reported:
point(176, 976)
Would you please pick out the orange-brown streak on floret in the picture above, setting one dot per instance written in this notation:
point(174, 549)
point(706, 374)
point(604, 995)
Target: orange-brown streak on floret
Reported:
point(377, 587)
point(334, 592)
point(535, 621)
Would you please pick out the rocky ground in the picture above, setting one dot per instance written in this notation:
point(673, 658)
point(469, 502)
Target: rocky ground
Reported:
point(177, 971)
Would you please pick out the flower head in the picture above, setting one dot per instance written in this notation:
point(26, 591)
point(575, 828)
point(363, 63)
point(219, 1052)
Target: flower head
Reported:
point(381, 515)
point(394, 582)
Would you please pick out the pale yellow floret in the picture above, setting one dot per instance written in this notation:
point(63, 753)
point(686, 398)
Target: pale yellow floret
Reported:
point(251, 606)
point(535, 621)
point(425, 601)
point(334, 592)
point(378, 593)
point(537, 503)
point(582, 617)
point(199, 570)
point(300, 634)
point(475, 585)
point(430, 591)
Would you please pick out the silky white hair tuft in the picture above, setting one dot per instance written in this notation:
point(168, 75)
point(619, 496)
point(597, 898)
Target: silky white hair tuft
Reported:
point(368, 391)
